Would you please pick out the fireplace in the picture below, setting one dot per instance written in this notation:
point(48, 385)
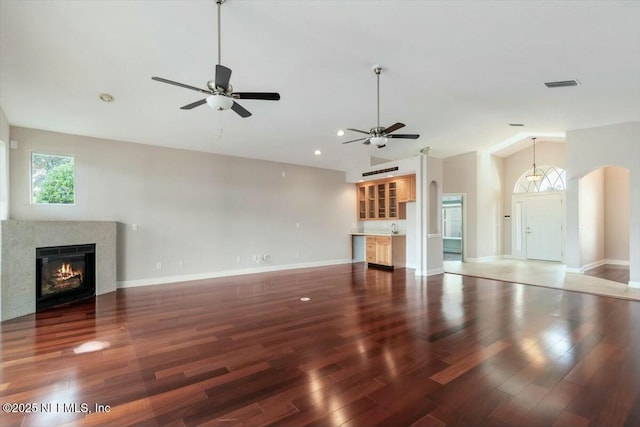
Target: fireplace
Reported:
point(64, 274)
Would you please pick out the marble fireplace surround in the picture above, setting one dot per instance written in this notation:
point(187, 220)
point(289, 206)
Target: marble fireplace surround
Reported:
point(18, 242)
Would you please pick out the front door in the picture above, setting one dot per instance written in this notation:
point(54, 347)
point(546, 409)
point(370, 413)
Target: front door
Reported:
point(543, 227)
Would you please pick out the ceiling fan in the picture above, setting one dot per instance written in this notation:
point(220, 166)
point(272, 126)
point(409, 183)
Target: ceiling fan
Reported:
point(378, 135)
point(220, 93)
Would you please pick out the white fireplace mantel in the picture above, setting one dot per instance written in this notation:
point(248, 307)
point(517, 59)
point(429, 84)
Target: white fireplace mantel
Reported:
point(18, 243)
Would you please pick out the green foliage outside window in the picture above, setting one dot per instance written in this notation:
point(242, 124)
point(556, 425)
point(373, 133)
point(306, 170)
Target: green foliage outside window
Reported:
point(52, 179)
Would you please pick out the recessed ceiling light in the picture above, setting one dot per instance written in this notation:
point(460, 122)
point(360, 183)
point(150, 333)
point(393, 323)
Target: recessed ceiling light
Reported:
point(317, 152)
point(389, 176)
point(340, 132)
point(516, 124)
point(305, 299)
point(106, 97)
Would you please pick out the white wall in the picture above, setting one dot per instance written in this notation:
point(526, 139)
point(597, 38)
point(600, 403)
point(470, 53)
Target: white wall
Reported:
point(488, 215)
point(4, 166)
point(459, 176)
point(4, 127)
point(434, 246)
point(203, 209)
point(405, 167)
point(592, 232)
point(593, 148)
point(479, 177)
point(616, 214)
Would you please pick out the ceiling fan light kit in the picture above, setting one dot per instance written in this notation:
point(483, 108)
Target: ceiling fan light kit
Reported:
point(219, 102)
point(378, 141)
point(220, 93)
point(379, 135)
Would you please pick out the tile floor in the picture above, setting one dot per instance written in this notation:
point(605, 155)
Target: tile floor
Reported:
point(542, 273)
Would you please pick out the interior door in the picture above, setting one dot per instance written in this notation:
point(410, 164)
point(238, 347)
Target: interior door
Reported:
point(543, 227)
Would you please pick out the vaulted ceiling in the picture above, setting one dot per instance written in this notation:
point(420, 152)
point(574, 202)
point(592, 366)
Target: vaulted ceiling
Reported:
point(456, 72)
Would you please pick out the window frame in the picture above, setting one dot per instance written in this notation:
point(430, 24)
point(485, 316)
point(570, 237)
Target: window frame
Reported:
point(523, 186)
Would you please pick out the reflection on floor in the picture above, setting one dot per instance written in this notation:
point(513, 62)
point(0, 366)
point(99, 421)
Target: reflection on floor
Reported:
point(541, 273)
point(617, 273)
point(450, 256)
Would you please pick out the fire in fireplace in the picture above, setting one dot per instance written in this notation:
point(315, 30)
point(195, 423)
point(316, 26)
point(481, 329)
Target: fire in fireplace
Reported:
point(64, 274)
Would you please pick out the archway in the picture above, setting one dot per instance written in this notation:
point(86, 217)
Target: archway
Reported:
point(603, 217)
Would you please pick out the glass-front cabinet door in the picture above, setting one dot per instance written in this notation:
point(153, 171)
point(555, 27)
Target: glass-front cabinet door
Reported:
point(362, 202)
point(382, 200)
point(393, 200)
point(371, 200)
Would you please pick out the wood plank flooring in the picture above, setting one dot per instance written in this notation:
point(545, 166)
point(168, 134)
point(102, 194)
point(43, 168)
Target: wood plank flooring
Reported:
point(371, 348)
point(616, 273)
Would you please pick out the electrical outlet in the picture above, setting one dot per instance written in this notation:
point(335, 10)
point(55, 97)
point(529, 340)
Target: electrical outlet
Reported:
point(158, 265)
point(238, 259)
point(180, 264)
point(297, 253)
point(297, 225)
point(134, 227)
point(266, 257)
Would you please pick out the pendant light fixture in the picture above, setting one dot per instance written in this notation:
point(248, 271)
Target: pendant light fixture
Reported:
point(534, 176)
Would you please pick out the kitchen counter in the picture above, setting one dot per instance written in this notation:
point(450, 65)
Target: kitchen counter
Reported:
point(381, 233)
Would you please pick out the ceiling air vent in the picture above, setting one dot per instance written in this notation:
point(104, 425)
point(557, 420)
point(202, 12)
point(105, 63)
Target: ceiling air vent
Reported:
point(563, 83)
point(380, 171)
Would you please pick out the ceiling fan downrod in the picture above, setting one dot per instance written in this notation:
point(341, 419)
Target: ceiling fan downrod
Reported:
point(378, 69)
point(219, 2)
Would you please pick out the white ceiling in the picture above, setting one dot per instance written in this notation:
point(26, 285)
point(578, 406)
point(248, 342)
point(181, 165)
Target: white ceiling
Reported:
point(456, 72)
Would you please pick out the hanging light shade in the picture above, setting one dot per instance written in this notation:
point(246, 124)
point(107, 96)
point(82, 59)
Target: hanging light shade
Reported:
point(378, 140)
point(219, 102)
point(535, 175)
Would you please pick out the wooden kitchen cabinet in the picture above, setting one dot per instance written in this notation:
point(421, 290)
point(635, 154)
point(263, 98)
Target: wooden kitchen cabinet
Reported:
point(383, 199)
point(407, 189)
point(386, 251)
point(370, 251)
point(362, 202)
point(371, 201)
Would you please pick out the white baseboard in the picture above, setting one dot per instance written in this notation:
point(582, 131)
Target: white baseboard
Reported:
point(634, 284)
point(435, 271)
point(573, 270)
point(602, 262)
point(617, 262)
point(485, 258)
point(226, 273)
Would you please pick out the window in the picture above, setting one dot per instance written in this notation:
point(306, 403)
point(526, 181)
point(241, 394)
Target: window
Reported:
point(553, 179)
point(452, 219)
point(52, 179)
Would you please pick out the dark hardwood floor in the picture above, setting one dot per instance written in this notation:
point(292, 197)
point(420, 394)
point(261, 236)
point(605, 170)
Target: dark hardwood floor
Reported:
point(371, 348)
point(615, 273)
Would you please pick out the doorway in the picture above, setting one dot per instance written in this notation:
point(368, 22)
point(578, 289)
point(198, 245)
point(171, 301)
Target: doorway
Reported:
point(452, 227)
